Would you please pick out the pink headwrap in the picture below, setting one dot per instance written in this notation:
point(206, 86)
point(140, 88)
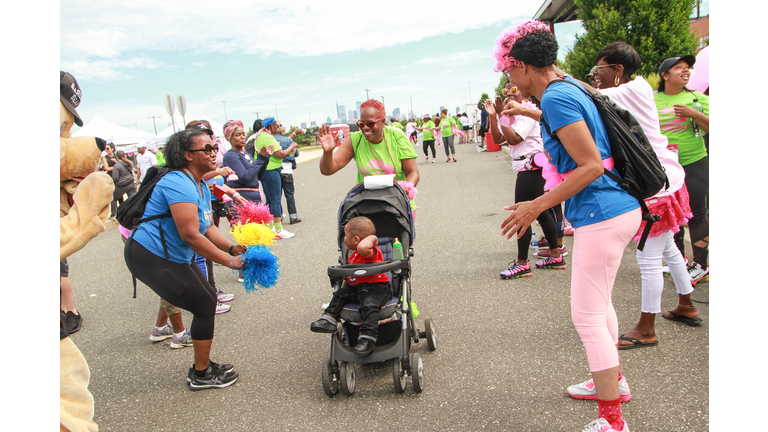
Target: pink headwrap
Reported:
point(507, 39)
point(230, 127)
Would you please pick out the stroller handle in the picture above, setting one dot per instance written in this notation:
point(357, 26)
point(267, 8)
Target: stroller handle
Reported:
point(365, 269)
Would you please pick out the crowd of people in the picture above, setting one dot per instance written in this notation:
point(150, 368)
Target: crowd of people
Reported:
point(546, 118)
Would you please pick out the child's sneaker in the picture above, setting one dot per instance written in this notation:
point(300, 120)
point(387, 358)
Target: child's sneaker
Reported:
point(283, 234)
point(517, 271)
point(184, 341)
point(161, 335)
point(552, 263)
point(697, 272)
point(222, 308)
point(602, 425)
point(586, 390)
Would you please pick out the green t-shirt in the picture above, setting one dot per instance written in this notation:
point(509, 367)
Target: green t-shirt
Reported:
point(445, 126)
point(160, 159)
point(266, 139)
point(398, 125)
point(382, 158)
point(690, 148)
point(428, 134)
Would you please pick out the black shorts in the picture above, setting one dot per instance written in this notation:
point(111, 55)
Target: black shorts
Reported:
point(465, 128)
point(414, 134)
point(483, 129)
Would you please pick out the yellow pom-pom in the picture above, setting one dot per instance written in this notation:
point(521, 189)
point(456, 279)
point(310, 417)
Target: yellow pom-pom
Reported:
point(253, 234)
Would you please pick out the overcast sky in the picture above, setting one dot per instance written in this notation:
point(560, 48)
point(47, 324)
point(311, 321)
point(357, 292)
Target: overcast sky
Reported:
point(295, 60)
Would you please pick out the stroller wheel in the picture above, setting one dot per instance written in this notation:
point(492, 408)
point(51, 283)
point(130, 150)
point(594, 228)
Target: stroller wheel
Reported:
point(347, 378)
point(398, 374)
point(431, 335)
point(330, 378)
point(417, 369)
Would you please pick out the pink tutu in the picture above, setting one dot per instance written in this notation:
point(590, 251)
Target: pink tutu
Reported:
point(674, 210)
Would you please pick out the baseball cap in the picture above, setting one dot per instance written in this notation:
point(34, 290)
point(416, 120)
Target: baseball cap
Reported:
point(666, 64)
point(268, 121)
point(200, 125)
point(70, 94)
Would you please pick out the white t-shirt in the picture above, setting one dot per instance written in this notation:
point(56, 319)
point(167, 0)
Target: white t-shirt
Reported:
point(464, 121)
point(636, 97)
point(530, 131)
point(144, 162)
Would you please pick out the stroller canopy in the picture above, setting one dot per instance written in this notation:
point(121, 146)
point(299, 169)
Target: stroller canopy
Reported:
point(388, 208)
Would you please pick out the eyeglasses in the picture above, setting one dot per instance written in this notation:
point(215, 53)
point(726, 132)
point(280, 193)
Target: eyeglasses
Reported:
point(207, 149)
point(369, 123)
point(596, 67)
point(509, 91)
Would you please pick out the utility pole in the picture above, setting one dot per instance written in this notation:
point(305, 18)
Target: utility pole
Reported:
point(225, 111)
point(275, 111)
point(470, 91)
point(411, 98)
point(153, 123)
point(366, 94)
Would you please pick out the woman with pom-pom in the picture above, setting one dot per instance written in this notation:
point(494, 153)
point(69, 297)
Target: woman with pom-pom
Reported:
point(161, 252)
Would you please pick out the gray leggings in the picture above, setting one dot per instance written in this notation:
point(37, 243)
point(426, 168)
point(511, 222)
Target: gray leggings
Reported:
point(448, 142)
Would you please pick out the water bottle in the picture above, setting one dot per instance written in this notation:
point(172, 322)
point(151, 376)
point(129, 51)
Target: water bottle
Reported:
point(697, 106)
point(534, 244)
point(397, 249)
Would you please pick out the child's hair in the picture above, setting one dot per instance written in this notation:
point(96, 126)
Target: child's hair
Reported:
point(361, 226)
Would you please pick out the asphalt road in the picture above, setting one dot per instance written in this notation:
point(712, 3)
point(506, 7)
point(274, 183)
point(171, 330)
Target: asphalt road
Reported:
point(507, 350)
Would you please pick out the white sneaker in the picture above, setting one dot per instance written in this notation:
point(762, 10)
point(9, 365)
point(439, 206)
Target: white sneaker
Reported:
point(283, 234)
point(697, 272)
point(222, 308)
point(602, 425)
point(586, 390)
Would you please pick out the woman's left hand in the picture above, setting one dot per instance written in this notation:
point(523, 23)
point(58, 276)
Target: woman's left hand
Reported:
point(266, 150)
point(684, 111)
point(523, 215)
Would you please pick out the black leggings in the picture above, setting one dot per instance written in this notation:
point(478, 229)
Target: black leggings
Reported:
point(529, 186)
point(697, 182)
point(429, 144)
point(182, 285)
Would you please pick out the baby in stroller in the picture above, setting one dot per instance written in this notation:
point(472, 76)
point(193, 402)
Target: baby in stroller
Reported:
point(371, 292)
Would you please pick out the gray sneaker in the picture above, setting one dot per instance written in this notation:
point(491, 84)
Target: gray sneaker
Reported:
point(161, 335)
point(184, 341)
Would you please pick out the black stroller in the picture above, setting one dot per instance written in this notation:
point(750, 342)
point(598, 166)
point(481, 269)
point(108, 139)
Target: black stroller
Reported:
point(390, 211)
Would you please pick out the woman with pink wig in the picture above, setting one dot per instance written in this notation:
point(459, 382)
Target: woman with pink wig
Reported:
point(603, 215)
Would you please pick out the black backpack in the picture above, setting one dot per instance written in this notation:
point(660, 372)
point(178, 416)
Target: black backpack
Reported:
point(131, 213)
point(641, 173)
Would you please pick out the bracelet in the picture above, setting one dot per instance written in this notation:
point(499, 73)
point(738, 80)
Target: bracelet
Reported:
point(236, 194)
point(230, 249)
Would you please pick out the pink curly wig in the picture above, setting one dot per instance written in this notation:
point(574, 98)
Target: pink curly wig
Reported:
point(508, 37)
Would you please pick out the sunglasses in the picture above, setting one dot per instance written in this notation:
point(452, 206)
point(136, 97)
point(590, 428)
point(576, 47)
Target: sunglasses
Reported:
point(207, 149)
point(369, 123)
point(595, 68)
point(509, 91)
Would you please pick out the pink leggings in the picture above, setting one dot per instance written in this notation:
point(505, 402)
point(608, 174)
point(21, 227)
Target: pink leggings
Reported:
point(597, 252)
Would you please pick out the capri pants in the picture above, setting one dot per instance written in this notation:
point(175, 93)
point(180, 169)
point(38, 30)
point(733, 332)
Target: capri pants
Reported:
point(182, 285)
point(448, 142)
point(649, 260)
point(429, 144)
point(597, 252)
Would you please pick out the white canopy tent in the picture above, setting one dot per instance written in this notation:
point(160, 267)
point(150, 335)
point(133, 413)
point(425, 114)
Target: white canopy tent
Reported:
point(124, 138)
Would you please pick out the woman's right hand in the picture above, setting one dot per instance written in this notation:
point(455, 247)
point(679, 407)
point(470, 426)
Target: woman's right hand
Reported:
point(224, 171)
point(489, 108)
point(237, 262)
point(266, 150)
point(326, 138)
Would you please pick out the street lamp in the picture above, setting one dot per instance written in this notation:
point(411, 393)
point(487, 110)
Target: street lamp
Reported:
point(153, 123)
point(276, 112)
point(366, 94)
point(225, 111)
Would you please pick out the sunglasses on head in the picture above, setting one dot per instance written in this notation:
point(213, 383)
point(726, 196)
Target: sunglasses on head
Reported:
point(369, 123)
point(207, 149)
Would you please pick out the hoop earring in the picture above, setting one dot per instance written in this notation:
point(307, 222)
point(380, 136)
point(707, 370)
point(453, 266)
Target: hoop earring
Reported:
point(616, 81)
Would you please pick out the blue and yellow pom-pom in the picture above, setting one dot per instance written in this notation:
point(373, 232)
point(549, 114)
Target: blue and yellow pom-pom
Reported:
point(261, 268)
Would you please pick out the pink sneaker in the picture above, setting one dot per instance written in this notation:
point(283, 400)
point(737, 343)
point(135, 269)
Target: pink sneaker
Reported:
point(602, 425)
point(544, 253)
point(552, 263)
point(586, 390)
point(517, 271)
